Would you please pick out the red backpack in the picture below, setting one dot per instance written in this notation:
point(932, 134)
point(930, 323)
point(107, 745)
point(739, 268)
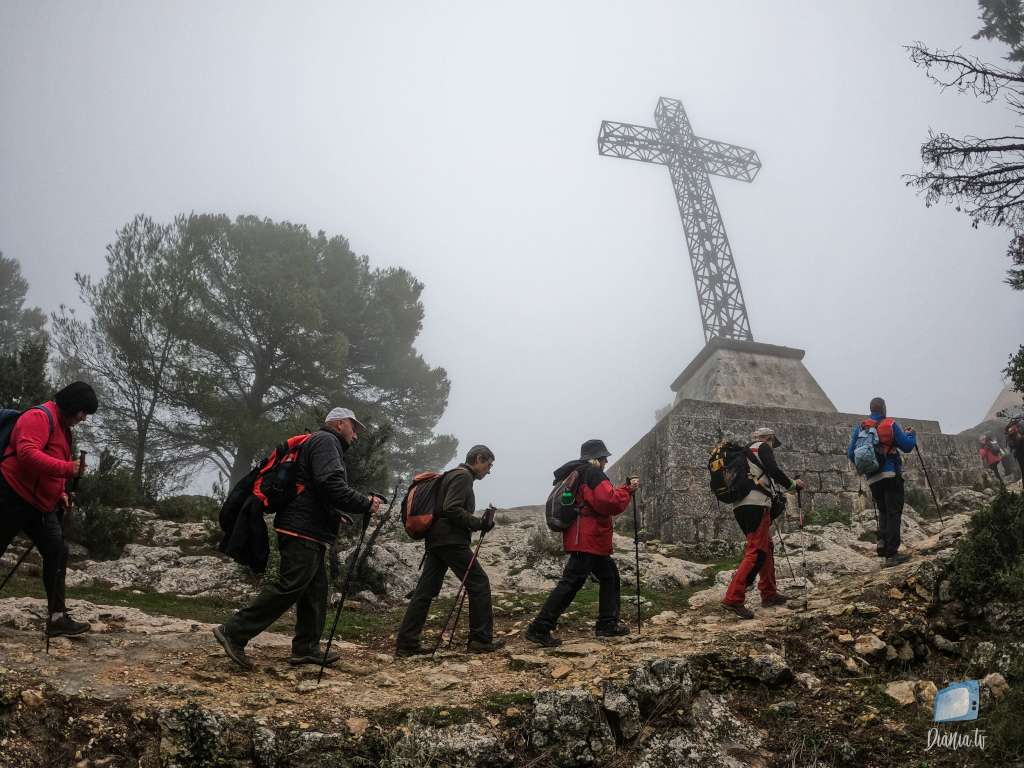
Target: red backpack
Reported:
point(275, 485)
point(1013, 435)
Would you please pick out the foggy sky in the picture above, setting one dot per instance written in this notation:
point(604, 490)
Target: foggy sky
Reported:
point(459, 140)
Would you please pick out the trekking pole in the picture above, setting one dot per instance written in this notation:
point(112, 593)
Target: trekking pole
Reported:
point(930, 486)
point(21, 559)
point(488, 516)
point(784, 550)
point(458, 613)
point(344, 592)
point(803, 549)
point(64, 525)
point(376, 531)
point(636, 549)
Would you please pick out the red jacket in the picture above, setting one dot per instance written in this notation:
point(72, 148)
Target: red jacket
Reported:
point(599, 502)
point(989, 454)
point(41, 462)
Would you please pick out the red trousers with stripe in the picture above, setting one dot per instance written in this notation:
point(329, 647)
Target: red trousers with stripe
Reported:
point(758, 559)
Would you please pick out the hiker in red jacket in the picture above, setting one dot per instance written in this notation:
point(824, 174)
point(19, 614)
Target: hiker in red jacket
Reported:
point(991, 454)
point(36, 467)
point(589, 544)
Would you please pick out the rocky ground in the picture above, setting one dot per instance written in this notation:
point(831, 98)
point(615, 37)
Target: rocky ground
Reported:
point(847, 679)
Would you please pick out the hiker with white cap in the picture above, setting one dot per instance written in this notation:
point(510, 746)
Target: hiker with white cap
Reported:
point(753, 513)
point(305, 528)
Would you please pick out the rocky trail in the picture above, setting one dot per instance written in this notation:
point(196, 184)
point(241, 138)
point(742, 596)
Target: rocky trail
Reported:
point(697, 685)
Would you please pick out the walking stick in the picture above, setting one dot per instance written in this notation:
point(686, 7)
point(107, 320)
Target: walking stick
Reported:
point(636, 549)
point(784, 550)
point(344, 592)
point(64, 525)
point(488, 517)
point(930, 486)
point(803, 549)
point(20, 561)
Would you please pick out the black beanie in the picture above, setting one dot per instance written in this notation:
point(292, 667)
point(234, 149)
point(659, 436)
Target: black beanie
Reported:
point(76, 397)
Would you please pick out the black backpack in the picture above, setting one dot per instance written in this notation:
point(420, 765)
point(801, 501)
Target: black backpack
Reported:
point(1014, 438)
point(731, 480)
point(8, 418)
point(558, 515)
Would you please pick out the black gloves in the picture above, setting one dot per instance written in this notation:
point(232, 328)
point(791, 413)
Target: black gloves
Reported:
point(488, 520)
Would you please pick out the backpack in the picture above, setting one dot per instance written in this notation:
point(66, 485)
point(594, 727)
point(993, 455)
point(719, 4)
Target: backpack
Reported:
point(274, 485)
point(868, 452)
point(422, 503)
point(729, 466)
point(558, 515)
point(1014, 438)
point(8, 418)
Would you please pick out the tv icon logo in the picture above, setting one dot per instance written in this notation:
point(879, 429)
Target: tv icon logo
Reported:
point(957, 702)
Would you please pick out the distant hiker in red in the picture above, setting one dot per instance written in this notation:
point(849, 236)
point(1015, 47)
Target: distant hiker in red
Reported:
point(991, 454)
point(753, 513)
point(36, 467)
point(589, 544)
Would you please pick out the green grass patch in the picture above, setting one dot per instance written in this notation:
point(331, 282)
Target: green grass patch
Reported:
point(826, 516)
point(502, 702)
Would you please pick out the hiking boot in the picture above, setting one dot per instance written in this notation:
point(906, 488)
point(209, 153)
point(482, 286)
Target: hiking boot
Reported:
point(897, 559)
point(542, 638)
point(314, 657)
point(419, 650)
point(777, 600)
point(617, 631)
point(880, 547)
point(741, 611)
point(475, 646)
point(234, 651)
point(65, 626)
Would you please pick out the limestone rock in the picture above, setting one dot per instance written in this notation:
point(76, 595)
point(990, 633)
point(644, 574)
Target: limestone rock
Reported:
point(525, 661)
point(1006, 658)
point(570, 721)
point(622, 709)
point(870, 646)
point(947, 646)
point(996, 683)
point(808, 680)
point(32, 697)
point(659, 679)
point(463, 746)
point(924, 692)
point(902, 691)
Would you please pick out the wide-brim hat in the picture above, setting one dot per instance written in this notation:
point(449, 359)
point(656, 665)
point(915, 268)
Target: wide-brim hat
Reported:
point(594, 449)
point(766, 432)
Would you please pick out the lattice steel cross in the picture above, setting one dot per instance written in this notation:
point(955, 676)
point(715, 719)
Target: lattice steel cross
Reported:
point(690, 159)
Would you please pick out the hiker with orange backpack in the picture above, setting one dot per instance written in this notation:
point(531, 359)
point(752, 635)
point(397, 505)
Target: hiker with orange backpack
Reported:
point(305, 528)
point(447, 547)
point(886, 480)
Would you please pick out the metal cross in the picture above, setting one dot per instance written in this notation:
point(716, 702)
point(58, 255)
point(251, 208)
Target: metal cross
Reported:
point(690, 159)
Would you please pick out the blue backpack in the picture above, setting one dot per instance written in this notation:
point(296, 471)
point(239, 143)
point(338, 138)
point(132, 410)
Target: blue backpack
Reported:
point(868, 453)
point(8, 418)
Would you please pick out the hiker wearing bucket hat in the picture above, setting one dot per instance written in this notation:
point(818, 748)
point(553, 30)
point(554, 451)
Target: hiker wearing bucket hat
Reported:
point(589, 544)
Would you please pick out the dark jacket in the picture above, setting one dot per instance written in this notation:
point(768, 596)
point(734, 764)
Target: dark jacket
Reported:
point(245, 531)
point(456, 521)
point(598, 502)
point(316, 511)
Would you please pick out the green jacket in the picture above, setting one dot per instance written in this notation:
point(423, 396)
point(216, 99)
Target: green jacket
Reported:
point(456, 521)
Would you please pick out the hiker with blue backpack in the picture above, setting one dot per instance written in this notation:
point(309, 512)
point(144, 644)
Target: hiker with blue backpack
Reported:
point(875, 453)
point(36, 465)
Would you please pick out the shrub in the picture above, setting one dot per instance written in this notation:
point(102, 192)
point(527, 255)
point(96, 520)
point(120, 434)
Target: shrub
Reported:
point(989, 560)
point(103, 530)
point(188, 509)
point(918, 498)
point(545, 542)
point(826, 515)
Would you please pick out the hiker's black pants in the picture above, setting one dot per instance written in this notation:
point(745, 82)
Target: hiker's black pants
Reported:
point(302, 583)
point(478, 587)
point(994, 466)
point(577, 569)
point(17, 515)
point(888, 495)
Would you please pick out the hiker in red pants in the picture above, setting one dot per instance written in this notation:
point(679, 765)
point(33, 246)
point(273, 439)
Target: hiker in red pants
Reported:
point(753, 513)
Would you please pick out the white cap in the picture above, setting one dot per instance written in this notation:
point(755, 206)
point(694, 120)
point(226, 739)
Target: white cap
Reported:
point(337, 414)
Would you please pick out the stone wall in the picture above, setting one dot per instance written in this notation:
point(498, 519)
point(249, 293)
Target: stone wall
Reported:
point(671, 462)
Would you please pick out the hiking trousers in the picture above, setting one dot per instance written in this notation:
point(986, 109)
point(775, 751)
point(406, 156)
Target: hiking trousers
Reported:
point(888, 495)
point(579, 566)
point(17, 515)
point(758, 560)
point(478, 587)
point(302, 583)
